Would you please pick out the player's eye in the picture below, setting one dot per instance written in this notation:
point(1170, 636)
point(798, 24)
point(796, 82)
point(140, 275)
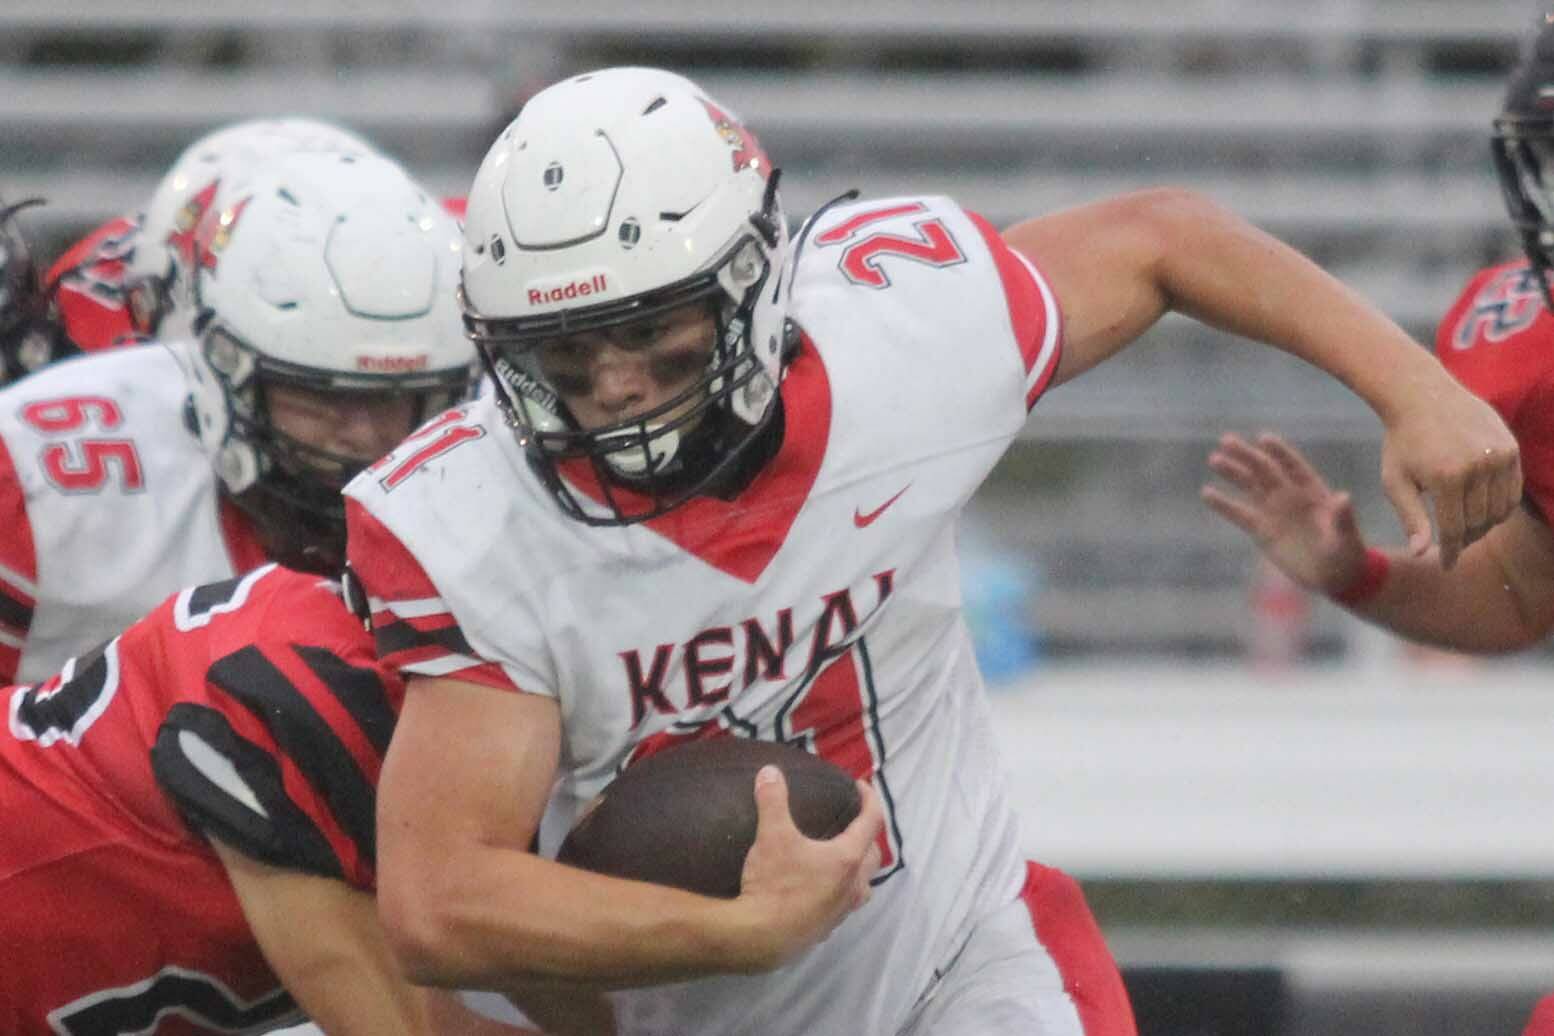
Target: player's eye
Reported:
point(675, 366)
point(571, 382)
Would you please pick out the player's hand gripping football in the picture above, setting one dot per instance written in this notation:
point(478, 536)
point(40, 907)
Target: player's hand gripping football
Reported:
point(796, 890)
point(1457, 451)
point(1304, 527)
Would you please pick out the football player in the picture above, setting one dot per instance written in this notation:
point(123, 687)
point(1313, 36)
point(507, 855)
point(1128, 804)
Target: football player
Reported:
point(322, 327)
point(117, 284)
point(1496, 338)
point(715, 493)
point(189, 814)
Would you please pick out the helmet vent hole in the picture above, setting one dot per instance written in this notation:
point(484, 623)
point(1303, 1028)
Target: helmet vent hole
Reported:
point(286, 196)
point(498, 250)
point(630, 233)
point(657, 103)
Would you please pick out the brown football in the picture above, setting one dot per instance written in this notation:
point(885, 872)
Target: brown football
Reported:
point(686, 816)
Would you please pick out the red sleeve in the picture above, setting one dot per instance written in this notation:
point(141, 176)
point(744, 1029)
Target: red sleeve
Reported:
point(414, 630)
point(1033, 311)
point(18, 569)
point(1494, 340)
point(300, 710)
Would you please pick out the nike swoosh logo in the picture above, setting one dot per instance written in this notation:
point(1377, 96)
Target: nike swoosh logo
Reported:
point(863, 521)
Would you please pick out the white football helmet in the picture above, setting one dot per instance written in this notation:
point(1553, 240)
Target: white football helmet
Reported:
point(156, 276)
point(332, 273)
point(615, 196)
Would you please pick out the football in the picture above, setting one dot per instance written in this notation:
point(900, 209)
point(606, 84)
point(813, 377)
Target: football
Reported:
point(686, 816)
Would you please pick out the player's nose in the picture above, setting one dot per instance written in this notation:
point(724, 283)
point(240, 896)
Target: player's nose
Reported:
point(620, 381)
point(361, 431)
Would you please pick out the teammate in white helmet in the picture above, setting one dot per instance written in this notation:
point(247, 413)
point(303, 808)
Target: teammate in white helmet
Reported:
point(118, 283)
point(715, 493)
point(323, 327)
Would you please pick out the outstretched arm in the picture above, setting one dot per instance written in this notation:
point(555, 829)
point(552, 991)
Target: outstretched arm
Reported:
point(1117, 266)
point(1499, 597)
point(466, 904)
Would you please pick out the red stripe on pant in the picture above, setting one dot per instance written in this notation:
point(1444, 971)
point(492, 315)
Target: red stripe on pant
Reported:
point(1068, 930)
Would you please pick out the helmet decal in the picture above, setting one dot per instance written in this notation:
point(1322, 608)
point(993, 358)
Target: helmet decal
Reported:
point(187, 222)
point(748, 153)
point(214, 233)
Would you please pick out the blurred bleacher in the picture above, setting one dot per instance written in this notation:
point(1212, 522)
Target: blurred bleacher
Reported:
point(1356, 129)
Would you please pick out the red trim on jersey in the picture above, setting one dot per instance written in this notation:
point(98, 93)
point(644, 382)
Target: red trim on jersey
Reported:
point(240, 538)
point(391, 573)
point(488, 674)
point(18, 555)
point(1069, 933)
point(17, 551)
point(741, 536)
point(1027, 308)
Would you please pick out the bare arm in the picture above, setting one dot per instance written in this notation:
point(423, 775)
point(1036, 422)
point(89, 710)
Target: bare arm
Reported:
point(322, 939)
point(1499, 596)
point(466, 904)
point(1117, 266)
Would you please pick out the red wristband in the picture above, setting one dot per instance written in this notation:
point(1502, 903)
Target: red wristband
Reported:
point(1368, 583)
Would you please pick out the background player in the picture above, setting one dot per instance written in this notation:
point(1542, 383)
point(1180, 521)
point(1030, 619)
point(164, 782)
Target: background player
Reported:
point(1496, 339)
point(628, 277)
point(190, 842)
point(119, 283)
point(323, 287)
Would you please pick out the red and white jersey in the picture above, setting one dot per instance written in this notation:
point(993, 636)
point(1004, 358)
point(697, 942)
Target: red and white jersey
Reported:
point(1498, 340)
point(108, 503)
point(821, 606)
point(253, 711)
point(87, 287)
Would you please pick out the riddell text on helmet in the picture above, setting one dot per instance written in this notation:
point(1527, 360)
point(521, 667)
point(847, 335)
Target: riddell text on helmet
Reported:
point(572, 290)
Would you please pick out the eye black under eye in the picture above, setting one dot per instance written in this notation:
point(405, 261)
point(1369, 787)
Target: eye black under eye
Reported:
point(571, 383)
point(679, 364)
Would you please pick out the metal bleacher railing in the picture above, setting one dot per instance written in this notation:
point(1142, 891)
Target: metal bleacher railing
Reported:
point(1356, 129)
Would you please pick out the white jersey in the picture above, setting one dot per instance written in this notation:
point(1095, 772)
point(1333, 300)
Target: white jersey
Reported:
point(821, 606)
point(108, 505)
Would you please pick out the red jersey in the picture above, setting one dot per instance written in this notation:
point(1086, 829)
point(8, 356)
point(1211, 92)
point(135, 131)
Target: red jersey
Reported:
point(86, 287)
point(1498, 340)
point(1542, 1021)
point(250, 710)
